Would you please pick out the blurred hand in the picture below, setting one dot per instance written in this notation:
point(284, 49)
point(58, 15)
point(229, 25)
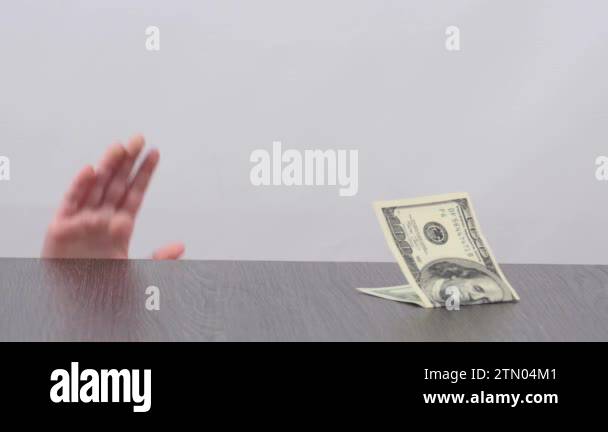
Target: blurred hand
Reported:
point(97, 216)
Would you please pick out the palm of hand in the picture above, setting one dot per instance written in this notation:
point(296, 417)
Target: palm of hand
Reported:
point(90, 234)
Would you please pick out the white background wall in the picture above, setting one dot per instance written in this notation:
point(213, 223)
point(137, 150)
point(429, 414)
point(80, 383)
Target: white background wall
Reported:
point(516, 118)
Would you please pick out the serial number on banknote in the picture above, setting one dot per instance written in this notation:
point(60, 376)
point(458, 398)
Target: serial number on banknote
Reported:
point(453, 376)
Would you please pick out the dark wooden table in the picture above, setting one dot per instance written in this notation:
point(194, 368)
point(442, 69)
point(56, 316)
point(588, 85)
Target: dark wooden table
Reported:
point(98, 300)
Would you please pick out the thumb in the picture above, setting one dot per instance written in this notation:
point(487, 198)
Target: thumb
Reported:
point(171, 251)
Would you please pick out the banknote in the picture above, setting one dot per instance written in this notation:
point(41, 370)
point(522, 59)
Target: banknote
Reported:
point(400, 293)
point(441, 251)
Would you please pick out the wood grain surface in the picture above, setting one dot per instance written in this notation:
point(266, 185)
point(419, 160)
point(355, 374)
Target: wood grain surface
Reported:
point(99, 300)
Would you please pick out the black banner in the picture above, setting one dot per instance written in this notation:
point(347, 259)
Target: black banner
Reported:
point(250, 380)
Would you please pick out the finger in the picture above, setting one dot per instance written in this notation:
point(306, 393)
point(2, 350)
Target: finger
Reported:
point(118, 185)
point(107, 167)
point(137, 189)
point(78, 191)
point(169, 252)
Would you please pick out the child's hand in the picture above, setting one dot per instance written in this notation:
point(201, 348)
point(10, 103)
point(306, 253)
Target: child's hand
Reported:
point(97, 216)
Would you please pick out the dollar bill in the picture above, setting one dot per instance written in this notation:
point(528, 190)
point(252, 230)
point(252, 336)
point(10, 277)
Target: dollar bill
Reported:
point(400, 293)
point(441, 251)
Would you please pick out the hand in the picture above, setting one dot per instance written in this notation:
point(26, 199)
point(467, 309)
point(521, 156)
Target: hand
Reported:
point(97, 216)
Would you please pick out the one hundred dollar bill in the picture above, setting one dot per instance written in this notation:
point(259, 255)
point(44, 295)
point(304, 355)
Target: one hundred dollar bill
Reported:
point(400, 293)
point(441, 251)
